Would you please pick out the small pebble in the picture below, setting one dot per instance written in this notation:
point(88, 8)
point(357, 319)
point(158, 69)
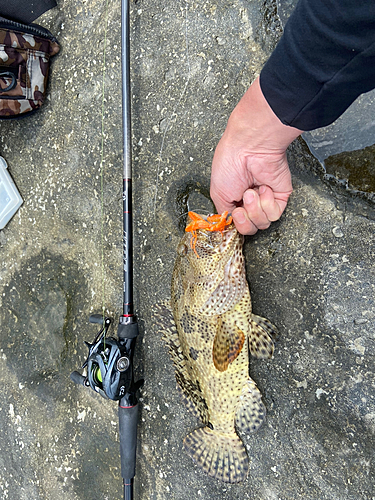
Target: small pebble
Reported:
point(360, 321)
point(337, 231)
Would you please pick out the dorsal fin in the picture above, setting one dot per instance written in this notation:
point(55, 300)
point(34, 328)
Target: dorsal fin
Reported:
point(184, 376)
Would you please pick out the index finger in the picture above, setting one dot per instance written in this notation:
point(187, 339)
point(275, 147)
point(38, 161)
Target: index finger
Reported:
point(242, 222)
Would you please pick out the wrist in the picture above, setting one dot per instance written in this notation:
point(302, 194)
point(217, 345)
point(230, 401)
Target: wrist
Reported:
point(254, 123)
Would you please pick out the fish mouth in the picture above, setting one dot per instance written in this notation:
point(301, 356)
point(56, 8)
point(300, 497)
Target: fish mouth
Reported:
point(207, 216)
point(208, 243)
point(205, 225)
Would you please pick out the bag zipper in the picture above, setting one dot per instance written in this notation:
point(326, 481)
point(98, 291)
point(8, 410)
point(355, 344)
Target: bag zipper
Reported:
point(32, 29)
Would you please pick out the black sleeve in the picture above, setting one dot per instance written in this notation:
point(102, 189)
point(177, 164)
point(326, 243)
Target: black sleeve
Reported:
point(25, 11)
point(324, 60)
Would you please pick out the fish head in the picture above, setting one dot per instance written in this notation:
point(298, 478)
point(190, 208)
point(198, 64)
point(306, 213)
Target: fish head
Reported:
point(209, 271)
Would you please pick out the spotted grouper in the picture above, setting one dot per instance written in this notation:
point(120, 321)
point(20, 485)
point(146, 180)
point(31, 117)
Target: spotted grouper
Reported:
point(213, 333)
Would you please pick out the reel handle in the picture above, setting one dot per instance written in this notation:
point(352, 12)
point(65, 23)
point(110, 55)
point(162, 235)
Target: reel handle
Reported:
point(77, 378)
point(96, 318)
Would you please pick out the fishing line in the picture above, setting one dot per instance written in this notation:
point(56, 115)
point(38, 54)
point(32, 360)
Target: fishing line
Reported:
point(168, 126)
point(102, 156)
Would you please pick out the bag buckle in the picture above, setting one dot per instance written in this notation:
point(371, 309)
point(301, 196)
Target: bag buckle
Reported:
point(8, 74)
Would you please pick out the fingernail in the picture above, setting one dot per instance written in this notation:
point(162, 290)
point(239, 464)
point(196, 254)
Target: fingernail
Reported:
point(262, 189)
point(248, 197)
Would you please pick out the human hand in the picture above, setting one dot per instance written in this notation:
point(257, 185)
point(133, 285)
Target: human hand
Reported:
point(250, 174)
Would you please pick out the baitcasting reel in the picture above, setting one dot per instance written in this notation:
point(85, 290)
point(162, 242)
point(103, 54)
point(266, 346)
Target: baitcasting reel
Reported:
point(109, 364)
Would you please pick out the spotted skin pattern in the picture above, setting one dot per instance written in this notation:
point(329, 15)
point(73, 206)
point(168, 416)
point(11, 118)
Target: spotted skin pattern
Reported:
point(209, 343)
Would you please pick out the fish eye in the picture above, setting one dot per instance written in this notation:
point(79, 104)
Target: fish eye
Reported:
point(182, 249)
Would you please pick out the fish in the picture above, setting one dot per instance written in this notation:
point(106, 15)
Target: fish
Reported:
point(211, 332)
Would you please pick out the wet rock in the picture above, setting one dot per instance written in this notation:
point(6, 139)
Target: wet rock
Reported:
point(356, 169)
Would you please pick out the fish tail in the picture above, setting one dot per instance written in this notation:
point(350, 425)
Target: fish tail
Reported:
point(222, 456)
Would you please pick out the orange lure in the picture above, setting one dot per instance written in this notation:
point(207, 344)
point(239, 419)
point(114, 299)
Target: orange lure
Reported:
point(213, 223)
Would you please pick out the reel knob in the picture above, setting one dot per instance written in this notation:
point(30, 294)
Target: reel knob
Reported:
point(123, 364)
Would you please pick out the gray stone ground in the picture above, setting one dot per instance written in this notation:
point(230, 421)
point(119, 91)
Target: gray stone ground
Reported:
point(312, 273)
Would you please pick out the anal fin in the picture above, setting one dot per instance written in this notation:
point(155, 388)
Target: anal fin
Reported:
point(228, 342)
point(251, 411)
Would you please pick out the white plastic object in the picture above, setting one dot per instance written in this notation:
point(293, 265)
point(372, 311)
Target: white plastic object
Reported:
point(10, 199)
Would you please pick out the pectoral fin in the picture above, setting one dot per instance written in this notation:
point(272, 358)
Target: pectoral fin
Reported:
point(228, 343)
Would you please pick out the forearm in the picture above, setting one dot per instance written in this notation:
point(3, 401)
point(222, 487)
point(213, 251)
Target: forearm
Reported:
point(325, 59)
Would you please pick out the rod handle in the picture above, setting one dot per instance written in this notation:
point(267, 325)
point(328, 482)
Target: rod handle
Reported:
point(127, 330)
point(128, 418)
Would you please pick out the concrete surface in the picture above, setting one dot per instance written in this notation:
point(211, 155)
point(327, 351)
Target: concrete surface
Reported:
point(311, 273)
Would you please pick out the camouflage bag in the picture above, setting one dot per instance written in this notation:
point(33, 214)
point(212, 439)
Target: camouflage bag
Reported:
point(25, 52)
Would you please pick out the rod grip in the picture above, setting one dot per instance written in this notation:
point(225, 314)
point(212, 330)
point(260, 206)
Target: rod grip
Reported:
point(127, 330)
point(128, 418)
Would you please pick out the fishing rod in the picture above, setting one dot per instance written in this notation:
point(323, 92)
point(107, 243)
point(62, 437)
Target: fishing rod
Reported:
point(109, 365)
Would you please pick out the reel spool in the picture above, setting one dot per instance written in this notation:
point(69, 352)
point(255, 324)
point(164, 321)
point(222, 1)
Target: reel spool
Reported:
point(108, 364)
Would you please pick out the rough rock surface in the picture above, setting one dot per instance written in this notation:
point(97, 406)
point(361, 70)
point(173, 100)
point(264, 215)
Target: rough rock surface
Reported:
point(311, 273)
